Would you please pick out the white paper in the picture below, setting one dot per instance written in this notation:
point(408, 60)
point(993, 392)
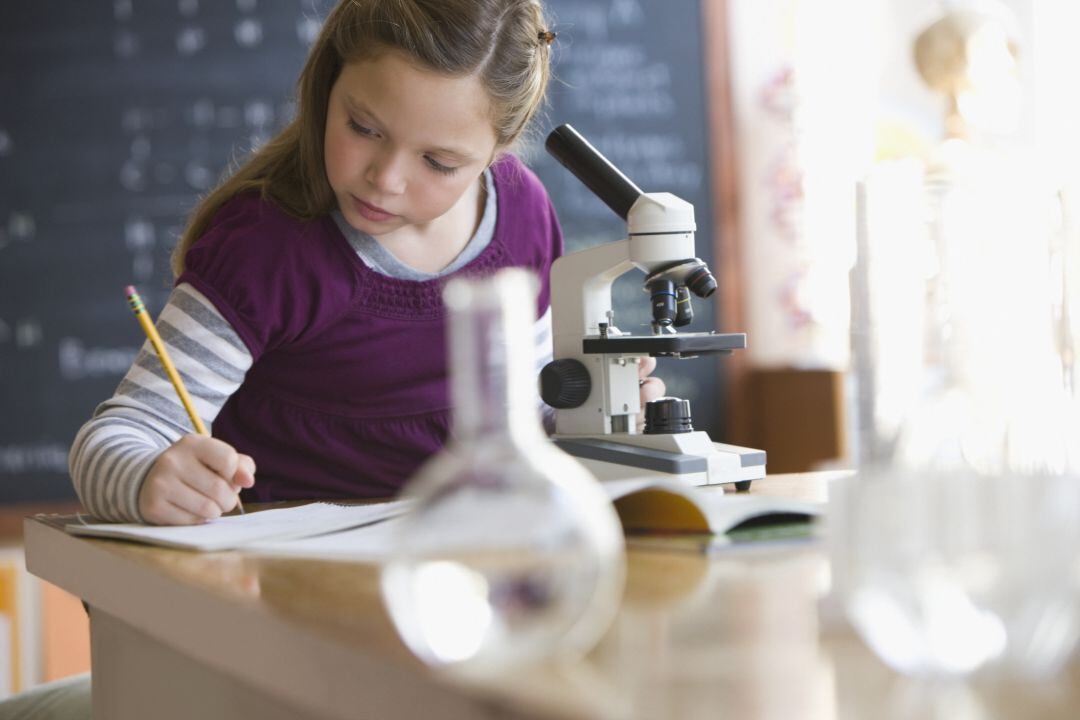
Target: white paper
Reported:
point(370, 543)
point(237, 531)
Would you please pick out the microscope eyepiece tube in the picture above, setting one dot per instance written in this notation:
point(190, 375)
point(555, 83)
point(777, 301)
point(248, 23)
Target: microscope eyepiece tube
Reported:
point(593, 169)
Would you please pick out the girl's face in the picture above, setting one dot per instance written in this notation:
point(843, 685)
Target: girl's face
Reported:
point(403, 144)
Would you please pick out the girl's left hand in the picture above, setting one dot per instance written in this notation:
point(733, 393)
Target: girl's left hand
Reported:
point(651, 387)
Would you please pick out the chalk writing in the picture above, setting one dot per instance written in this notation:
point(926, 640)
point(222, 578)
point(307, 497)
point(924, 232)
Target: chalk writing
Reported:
point(18, 459)
point(78, 362)
point(22, 333)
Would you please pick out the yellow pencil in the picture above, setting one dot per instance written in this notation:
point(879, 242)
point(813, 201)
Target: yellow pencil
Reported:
point(139, 309)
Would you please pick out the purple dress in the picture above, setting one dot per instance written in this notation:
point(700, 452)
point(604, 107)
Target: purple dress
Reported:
point(348, 392)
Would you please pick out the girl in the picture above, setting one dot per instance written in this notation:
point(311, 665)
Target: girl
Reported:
point(306, 319)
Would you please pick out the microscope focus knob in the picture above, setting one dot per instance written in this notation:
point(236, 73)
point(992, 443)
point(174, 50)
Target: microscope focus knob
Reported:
point(667, 416)
point(565, 383)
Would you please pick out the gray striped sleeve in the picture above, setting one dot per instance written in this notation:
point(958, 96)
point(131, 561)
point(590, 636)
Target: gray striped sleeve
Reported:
point(542, 340)
point(115, 449)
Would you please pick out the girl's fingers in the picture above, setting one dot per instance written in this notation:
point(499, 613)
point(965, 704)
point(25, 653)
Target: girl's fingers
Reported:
point(210, 485)
point(187, 498)
point(245, 473)
point(176, 515)
point(216, 455)
point(195, 480)
point(651, 389)
point(645, 367)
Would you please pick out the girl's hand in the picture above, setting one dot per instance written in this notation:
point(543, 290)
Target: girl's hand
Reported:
point(651, 387)
point(196, 479)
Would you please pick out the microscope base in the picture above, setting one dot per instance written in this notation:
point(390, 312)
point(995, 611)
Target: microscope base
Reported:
point(689, 458)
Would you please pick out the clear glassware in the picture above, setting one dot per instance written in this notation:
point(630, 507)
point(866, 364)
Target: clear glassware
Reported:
point(944, 574)
point(954, 548)
point(512, 552)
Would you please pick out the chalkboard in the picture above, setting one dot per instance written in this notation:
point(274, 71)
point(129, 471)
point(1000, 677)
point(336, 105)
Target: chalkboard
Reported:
point(117, 115)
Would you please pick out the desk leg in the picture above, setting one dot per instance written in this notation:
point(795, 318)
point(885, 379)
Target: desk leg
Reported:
point(137, 677)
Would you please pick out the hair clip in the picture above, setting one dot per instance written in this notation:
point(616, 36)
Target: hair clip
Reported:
point(547, 36)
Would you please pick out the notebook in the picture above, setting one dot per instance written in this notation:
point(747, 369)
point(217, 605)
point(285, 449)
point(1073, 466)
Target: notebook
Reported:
point(238, 531)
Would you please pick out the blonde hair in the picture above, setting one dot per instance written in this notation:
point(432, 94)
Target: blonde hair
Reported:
point(500, 42)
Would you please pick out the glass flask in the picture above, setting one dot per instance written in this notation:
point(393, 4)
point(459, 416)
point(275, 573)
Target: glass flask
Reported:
point(512, 552)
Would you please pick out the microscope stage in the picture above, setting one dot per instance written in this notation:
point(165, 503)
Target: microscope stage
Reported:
point(674, 345)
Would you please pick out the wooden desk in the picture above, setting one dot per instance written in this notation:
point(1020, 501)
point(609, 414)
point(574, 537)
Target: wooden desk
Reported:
point(739, 634)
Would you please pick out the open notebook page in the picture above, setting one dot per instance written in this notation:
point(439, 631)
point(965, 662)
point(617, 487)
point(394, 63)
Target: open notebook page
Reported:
point(236, 531)
point(371, 543)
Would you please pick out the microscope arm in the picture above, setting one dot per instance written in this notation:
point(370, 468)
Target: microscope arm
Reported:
point(581, 287)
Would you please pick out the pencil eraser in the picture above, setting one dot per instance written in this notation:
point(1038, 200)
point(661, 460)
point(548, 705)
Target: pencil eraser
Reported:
point(129, 290)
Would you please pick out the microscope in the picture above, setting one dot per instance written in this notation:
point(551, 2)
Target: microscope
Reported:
point(592, 380)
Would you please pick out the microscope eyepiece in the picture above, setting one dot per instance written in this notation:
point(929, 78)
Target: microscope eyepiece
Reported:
point(593, 169)
point(663, 299)
point(701, 282)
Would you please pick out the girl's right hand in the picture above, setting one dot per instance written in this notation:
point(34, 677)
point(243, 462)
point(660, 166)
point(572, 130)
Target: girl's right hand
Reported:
point(196, 479)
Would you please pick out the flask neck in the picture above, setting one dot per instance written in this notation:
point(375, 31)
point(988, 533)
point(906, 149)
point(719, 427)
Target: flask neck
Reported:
point(492, 372)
